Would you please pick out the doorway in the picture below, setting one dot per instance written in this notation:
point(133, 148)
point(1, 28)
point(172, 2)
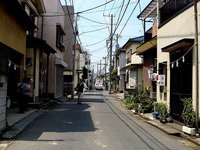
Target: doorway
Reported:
point(181, 81)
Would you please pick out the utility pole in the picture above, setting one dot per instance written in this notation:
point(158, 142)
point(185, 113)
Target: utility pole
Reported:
point(197, 62)
point(111, 38)
point(74, 55)
point(116, 60)
point(88, 60)
point(100, 67)
point(97, 69)
point(105, 74)
point(116, 47)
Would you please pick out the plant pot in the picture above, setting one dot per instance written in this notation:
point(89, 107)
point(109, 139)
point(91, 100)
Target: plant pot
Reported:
point(163, 121)
point(169, 119)
point(189, 130)
point(135, 111)
point(155, 115)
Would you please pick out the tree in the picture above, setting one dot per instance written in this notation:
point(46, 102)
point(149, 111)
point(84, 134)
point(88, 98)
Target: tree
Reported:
point(113, 74)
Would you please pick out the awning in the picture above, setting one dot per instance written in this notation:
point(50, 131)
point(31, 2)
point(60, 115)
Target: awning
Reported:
point(178, 44)
point(60, 62)
point(147, 46)
point(131, 66)
point(150, 11)
point(33, 42)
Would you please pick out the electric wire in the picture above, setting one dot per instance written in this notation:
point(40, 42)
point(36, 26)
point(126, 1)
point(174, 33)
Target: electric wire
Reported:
point(112, 6)
point(130, 16)
point(121, 18)
point(96, 42)
point(93, 30)
point(108, 9)
point(94, 21)
point(95, 7)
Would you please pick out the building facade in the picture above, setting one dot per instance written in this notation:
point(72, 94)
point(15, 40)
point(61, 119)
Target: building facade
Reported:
point(133, 77)
point(176, 50)
point(53, 31)
point(14, 23)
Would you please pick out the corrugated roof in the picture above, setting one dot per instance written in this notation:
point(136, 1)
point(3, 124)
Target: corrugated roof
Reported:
point(150, 11)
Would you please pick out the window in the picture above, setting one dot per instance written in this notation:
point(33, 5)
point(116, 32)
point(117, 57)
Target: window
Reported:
point(59, 38)
point(129, 53)
point(172, 7)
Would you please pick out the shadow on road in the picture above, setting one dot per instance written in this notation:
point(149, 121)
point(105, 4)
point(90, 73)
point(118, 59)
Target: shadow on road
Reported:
point(64, 117)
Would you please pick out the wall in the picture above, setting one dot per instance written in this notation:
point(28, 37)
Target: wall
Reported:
point(69, 37)
point(11, 33)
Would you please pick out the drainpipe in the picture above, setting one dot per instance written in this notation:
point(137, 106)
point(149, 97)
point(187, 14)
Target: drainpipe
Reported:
point(42, 27)
point(34, 76)
point(47, 75)
point(197, 63)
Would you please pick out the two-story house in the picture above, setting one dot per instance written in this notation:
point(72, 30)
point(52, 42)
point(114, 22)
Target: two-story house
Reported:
point(121, 63)
point(53, 32)
point(134, 63)
point(79, 62)
point(14, 23)
point(148, 49)
point(35, 49)
point(177, 56)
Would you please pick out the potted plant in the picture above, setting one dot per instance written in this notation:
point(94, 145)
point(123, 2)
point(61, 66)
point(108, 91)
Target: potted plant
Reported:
point(155, 110)
point(188, 116)
point(162, 112)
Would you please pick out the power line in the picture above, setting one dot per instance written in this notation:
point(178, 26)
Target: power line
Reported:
point(94, 21)
point(95, 7)
point(112, 6)
point(130, 16)
point(96, 42)
point(120, 11)
point(93, 30)
point(121, 17)
point(107, 9)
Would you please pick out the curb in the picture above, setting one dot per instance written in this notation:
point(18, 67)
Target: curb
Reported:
point(22, 124)
point(170, 131)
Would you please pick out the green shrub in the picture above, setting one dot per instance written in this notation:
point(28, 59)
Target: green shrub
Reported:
point(188, 113)
point(162, 110)
point(132, 106)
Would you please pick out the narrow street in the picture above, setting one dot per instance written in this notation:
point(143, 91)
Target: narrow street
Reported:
point(99, 123)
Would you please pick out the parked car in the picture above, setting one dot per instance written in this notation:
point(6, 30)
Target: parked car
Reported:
point(98, 87)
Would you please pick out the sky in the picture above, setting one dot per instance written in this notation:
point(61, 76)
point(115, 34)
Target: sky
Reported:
point(94, 24)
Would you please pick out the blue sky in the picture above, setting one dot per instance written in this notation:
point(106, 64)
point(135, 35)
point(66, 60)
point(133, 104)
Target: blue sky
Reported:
point(94, 25)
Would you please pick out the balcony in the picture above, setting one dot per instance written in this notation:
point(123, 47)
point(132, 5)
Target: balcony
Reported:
point(173, 8)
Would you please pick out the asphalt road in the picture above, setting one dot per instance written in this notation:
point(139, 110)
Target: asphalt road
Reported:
point(99, 123)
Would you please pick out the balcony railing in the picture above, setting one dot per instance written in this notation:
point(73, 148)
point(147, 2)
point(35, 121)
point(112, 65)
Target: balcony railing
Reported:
point(173, 7)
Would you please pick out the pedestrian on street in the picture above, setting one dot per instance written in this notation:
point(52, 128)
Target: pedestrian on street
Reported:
point(80, 88)
point(24, 90)
point(27, 93)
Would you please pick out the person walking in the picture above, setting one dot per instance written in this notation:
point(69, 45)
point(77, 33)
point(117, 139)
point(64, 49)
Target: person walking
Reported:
point(24, 90)
point(27, 93)
point(80, 88)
